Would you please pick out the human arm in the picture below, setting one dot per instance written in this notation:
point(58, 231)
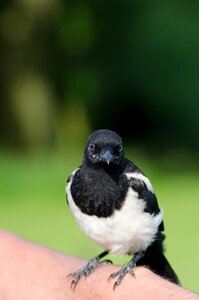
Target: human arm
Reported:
point(29, 271)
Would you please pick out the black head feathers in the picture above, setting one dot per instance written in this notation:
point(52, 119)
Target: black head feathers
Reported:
point(104, 147)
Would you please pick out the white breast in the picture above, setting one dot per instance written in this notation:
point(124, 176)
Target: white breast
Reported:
point(128, 230)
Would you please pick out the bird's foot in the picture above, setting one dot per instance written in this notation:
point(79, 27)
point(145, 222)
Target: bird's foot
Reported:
point(127, 268)
point(86, 270)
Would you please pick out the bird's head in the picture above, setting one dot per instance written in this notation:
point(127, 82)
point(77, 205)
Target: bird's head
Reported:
point(104, 147)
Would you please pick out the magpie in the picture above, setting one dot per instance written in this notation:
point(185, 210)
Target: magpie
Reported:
point(115, 205)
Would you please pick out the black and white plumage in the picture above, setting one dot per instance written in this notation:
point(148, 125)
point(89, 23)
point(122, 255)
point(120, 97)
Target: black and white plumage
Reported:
point(115, 205)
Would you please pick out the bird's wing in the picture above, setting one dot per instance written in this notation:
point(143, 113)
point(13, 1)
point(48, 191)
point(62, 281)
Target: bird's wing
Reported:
point(69, 179)
point(141, 184)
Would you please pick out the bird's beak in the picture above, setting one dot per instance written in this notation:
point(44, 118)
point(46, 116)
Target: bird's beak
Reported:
point(106, 155)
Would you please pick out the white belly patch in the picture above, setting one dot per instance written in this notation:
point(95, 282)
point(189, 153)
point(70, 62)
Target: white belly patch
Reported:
point(128, 230)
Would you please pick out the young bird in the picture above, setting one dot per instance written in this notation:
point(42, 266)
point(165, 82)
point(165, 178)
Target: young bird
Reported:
point(115, 205)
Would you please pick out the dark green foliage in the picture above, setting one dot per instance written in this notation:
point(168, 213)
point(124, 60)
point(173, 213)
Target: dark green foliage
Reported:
point(130, 66)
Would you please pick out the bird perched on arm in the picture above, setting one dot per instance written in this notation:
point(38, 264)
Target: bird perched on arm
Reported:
point(115, 205)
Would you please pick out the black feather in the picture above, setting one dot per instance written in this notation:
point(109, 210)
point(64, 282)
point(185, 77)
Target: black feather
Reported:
point(97, 192)
point(154, 259)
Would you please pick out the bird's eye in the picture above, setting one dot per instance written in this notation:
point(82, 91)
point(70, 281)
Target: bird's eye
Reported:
point(120, 148)
point(92, 147)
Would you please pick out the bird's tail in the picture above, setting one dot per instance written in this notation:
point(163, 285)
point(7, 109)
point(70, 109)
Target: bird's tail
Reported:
point(154, 259)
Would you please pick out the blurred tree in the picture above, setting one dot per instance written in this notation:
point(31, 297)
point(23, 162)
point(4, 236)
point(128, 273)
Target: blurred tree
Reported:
point(151, 72)
point(69, 67)
point(27, 105)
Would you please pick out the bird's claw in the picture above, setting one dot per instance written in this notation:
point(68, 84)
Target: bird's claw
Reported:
point(106, 261)
point(128, 268)
point(86, 270)
point(74, 281)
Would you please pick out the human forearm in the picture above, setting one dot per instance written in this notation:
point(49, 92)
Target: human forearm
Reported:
point(29, 271)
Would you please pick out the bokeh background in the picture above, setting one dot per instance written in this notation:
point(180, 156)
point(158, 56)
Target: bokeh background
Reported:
point(69, 67)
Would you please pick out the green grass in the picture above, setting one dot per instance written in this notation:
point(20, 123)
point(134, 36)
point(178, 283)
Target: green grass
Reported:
point(32, 204)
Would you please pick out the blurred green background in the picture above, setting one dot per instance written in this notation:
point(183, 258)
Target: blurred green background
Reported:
point(69, 67)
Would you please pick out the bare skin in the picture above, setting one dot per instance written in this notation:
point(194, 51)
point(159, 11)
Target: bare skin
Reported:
point(29, 271)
